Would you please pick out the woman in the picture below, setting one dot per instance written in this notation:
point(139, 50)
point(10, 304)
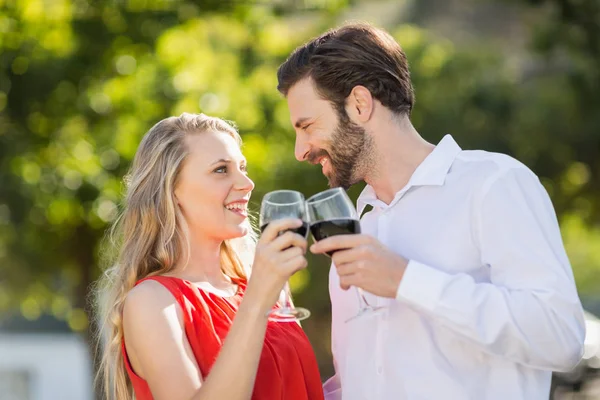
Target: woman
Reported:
point(186, 248)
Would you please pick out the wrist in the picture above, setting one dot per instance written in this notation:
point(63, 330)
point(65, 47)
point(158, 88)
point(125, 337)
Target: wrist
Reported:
point(254, 309)
point(257, 302)
point(396, 276)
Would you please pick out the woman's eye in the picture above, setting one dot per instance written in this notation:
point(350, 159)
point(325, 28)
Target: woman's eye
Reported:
point(221, 170)
point(243, 168)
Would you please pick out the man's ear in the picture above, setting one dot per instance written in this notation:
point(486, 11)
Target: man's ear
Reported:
point(359, 104)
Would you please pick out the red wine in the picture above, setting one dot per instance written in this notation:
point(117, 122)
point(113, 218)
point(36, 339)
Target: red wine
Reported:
point(301, 230)
point(343, 226)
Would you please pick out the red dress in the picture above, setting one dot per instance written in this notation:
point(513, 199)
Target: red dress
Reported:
point(287, 369)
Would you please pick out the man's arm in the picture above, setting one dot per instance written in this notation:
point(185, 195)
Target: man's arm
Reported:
point(530, 312)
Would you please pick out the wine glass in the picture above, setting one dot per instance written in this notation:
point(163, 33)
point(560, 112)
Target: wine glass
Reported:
point(331, 213)
point(276, 205)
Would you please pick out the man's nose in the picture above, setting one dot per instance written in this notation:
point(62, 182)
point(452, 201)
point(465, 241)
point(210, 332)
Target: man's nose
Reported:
point(302, 148)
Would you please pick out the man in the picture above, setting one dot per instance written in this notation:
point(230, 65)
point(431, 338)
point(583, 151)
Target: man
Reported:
point(462, 249)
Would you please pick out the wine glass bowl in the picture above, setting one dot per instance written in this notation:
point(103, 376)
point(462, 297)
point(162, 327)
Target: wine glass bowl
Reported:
point(281, 204)
point(331, 213)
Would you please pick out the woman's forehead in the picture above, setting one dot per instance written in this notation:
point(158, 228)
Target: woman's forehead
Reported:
point(209, 147)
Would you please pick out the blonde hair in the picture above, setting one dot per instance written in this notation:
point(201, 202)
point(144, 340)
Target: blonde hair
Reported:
point(150, 236)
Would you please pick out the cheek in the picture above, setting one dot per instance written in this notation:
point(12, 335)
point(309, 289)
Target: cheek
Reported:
point(320, 141)
point(203, 204)
point(332, 139)
point(213, 204)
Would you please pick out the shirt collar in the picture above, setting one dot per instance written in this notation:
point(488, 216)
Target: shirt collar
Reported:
point(431, 172)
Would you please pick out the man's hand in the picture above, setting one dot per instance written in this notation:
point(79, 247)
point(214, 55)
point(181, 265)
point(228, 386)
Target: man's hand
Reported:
point(362, 261)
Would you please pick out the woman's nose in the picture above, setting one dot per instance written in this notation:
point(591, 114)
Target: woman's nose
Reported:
point(245, 183)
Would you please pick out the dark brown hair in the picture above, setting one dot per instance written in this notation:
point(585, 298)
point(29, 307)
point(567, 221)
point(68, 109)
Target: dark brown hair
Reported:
point(354, 54)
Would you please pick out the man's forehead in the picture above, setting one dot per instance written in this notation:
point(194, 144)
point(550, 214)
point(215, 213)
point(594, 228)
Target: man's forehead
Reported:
point(304, 87)
point(303, 101)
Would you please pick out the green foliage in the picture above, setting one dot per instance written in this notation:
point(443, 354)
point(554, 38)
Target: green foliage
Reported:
point(81, 82)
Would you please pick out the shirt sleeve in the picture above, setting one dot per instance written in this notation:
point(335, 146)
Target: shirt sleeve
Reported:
point(529, 311)
point(332, 388)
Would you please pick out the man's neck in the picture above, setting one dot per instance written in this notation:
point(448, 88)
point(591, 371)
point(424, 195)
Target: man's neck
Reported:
point(399, 150)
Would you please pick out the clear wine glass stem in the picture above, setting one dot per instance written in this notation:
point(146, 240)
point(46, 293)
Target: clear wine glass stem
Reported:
point(364, 307)
point(285, 296)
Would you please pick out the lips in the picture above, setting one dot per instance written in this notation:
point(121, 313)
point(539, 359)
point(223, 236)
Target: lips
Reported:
point(320, 156)
point(239, 207)
point(325, 164)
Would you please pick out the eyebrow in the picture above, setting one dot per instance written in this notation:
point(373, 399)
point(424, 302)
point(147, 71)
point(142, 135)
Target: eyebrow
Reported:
point(228, 161)
point(221, 160)
point(301, 121)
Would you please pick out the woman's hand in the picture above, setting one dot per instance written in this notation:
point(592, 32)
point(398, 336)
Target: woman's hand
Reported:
point(277, 257)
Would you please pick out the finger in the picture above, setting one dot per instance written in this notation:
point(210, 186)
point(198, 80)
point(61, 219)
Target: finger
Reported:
point(338, 242)
point(289, 239)
point(347, 281)
point(296, 264)
point(348, 269)
point(346, 256)
point(292, 252)
point(274, 227)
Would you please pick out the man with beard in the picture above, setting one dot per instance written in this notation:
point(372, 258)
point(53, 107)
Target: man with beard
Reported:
point(461, 249)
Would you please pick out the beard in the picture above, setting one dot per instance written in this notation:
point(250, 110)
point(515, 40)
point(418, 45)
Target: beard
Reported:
point(351, 150)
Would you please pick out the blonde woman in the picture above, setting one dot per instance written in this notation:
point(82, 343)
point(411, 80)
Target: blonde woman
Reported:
point(182, 317)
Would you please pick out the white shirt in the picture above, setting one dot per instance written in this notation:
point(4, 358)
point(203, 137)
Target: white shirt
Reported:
point(487, 307)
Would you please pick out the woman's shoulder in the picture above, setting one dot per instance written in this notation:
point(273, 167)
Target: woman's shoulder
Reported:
point(150, 304)
point(146, 297)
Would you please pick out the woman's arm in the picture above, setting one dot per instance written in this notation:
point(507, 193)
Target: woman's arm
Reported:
point(159, 350)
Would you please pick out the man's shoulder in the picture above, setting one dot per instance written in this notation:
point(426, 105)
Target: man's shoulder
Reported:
point(487, 164)
point(477, 170)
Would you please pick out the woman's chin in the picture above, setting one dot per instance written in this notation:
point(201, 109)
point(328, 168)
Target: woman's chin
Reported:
point(237, 232)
